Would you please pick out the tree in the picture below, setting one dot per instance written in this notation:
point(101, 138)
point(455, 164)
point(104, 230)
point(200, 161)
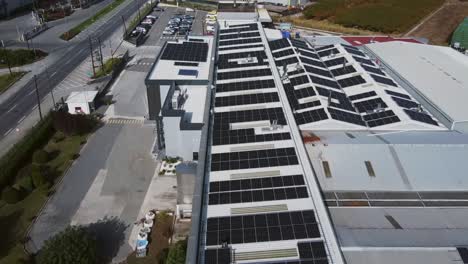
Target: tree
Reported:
point(73, 245)
point(37, 176)
point(177, 253)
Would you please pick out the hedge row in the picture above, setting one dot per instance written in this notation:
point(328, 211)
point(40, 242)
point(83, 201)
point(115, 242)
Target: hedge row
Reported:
point(20, 154)
point(19, 57)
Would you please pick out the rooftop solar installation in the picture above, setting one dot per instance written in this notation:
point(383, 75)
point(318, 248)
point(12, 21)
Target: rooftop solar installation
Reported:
point(343, 71)
point(351, 81)
point(362, 95)
point(372, 70)
point(383, 80)
point(422, 117)
point(240, 41)
point(239, 35)
point(398, 94)
point(186, 51)
point(243, 74)
point(258, 98)
point(279, 44)
point(242, 86)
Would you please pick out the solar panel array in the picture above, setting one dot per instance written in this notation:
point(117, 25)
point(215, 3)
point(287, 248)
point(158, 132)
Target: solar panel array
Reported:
point(330, 74)
point(186, 51)
point(248, 112)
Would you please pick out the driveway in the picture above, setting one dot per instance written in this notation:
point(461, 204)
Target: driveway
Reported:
point(109, 181)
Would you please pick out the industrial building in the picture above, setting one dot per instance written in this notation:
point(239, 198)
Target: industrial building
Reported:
point(321, 149)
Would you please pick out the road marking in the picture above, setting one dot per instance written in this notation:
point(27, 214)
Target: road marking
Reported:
point(31, 92)
point(6, 133)
point(52, 75)
point(21, 119)
point(11, 109)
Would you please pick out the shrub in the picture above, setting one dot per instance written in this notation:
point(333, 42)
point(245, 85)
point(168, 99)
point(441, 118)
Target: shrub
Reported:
point(73, 245)
point(40, 156)
point(59, 136)
point(38, 178)
point(11, 195)
point(26, 183)
point(73, 124)
point(20, 154)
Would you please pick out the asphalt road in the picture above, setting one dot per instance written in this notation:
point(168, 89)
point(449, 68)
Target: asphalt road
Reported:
point(25, 100)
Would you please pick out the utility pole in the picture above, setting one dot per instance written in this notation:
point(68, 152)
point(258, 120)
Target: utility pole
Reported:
point(125, 27)
point(112, 54)
point(51, 90)
point(92, 56)
point(100, 55)
point(38, 98)
point(6, 57)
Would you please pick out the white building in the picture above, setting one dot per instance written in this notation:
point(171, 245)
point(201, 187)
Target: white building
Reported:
point(82, 102)
point(177, 88)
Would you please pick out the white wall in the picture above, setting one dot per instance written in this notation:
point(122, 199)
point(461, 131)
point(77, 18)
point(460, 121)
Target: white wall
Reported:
point(180, 143)
point(84, 108)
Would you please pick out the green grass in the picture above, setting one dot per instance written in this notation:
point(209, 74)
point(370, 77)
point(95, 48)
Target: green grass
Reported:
point(108, 67)
point(88, 22)
point(387, 16)
point(16, 218)
point(20, 57)
point(7, 80)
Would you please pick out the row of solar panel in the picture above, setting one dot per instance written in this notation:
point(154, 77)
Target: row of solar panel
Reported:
point(243, 74)
point(246, 99)
point(249, 85)
point(257, 195)
point(226, 118)
point(242, 136)
point(239, 35)
point(187, 51)
point(256, 183)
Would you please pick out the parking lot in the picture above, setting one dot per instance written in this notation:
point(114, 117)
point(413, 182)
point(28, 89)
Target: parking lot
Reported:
point(156, 37)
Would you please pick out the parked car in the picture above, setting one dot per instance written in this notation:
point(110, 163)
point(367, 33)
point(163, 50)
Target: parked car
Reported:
point(158, 9)
point(169, 32)
point(153, 17)
point(145, 26)
point(141, 29)
point(189, 21)
point(211, 22)
point(147, 22)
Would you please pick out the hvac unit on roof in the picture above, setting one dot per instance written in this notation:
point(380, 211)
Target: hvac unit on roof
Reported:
point(175, 99)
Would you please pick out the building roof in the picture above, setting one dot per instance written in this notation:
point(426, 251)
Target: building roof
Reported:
point(184, 60)
point(338, 87)
point(406, 161)
point(82, 97)
point(437, 74)
point(362, 40)
point(263, 200)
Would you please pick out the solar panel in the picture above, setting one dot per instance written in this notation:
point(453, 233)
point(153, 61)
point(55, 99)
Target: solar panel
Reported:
point(343, 70)
point(372, 70)
point(188, 72)
point(299, 43)
point(187, 51)
point(419, 116)
point(241, 86)
point(309, 54)
point(381, 118)
point(337, 61)
point(299, 80)
point(346, 117)
point(363, 61)
point(287, 61)
point(383, 80)
point(405, 103)
point(243, 74)
point(355, 52)
point(262, 227)
point(218, 256)
point(313, 251)
point(351, 81)
point(240, 41)
point(303, 92)
point(260, 195)
point(196, 40)
point(241, 47)
point(310, 116)
point(370, 105)
point(313, 62)
point(324, 82)
point(328, 52)
point(397, 94)
point(279, 44)
point(318, 71)
point(362, 95)
point(239, 35)
point(246, 99)
point(249, 27)
point(283, 53)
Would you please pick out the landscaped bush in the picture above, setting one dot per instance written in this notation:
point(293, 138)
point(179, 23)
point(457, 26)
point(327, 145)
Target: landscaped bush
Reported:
point(20, 154)
point(19, 57)
point(59, 136)
point(26, 183)
point(40, 156)
point(38, 176)
point(11, 195)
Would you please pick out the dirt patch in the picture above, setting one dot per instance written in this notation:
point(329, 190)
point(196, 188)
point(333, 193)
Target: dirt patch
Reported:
point(439, 28)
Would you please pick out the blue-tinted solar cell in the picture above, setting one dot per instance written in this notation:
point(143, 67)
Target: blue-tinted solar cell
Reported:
point(383, 80)
point(420, 116)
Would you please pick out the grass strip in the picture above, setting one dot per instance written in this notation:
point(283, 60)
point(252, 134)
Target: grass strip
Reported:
point(88, 22)
point(108, 67)
point(20, 57)
point(7, 80)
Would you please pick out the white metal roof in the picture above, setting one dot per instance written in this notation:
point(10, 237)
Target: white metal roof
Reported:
point(438, 73)
point(416, 161)
point(81, 97)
